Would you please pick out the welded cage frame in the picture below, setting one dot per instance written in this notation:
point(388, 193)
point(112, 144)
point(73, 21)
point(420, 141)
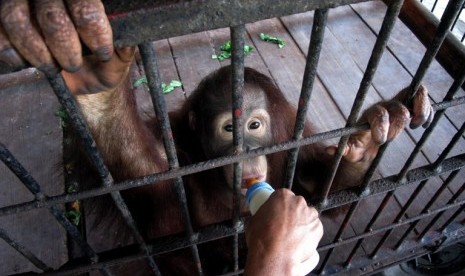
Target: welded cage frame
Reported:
point(132, 28)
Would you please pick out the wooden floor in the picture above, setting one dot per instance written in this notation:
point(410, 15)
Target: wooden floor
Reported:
point(349, 39)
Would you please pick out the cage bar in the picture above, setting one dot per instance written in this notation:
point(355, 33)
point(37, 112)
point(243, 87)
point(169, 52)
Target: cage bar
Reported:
point(24, 251)
point(237, 63)
point(431, 51)
point(67, 101)
point(450, 146)
point(399, 216)
point(378, 50)
point(33, 186)
point(427, 207)
point(452, 9)
point(431, 224)
point(313, 55)
point(154, 83)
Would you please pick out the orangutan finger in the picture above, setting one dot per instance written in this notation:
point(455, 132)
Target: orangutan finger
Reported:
point(378, 118)
point(8, 54)
point(15, 17)
point(398, 118)
point(430, 118)
point(421, 108)
point(59, 33)
point(93, 26)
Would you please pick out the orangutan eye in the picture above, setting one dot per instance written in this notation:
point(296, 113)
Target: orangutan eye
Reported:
point(254, 125)
point(228, 128)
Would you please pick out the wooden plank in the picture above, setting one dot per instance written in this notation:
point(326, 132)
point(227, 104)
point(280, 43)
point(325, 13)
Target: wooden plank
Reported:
point(32, 132)
point(192, 54)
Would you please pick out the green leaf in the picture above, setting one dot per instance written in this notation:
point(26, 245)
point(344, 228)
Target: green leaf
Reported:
point(276, 40)
point(63, 117)
point(74, 216)
point(226, 51)
point(140, 81)
point(170, 87)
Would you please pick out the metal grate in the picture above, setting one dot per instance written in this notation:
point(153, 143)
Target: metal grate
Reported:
point(429, 240)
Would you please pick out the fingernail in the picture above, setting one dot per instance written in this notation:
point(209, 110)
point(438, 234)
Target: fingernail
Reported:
point(12, 58)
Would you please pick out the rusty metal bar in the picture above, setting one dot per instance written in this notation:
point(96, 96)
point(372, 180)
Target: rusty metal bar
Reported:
point(67, 101)
point(237, 109)
point(155, 87)
point(378, 50)
point(399, 216)
point(338, 236)
point(333, 201)
point(24, 251)
point(313, 55)
point(118, 257)
point(369, 226)
point(31, 184)
point(457, 137)
point(452, 200)
point(427, 207)
point(452, 9)
point(428, 57)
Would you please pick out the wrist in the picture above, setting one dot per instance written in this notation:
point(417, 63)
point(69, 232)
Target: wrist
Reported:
point(267, 262)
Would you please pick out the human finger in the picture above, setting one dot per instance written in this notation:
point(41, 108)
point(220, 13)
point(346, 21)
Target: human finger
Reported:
point(16, 21)
point(8, 54)
point(59, 33)
point(93, 26)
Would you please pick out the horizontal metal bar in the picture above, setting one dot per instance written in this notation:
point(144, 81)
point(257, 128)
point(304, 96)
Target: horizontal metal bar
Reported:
point(126, 254)
point(130, 253)
point(391, 226)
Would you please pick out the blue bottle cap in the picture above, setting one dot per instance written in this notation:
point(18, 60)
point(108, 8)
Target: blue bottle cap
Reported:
point(252, 190)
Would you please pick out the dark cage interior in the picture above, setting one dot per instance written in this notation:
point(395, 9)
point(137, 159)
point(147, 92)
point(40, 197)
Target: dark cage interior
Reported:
point(339, 57)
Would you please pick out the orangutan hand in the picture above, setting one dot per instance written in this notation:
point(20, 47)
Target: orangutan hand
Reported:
point(49, 36)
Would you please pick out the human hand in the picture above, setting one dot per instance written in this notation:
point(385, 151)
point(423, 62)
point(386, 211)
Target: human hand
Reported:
point(48, 37)
point(282, 236)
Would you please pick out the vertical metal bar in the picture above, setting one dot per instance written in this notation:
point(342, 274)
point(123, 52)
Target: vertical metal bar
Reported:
point(427, 207)
point(449, 96)
point(399, 216)
point(434, 5)
point(378, 50)
point(31, 184)
point(24, 251)
point(338, 236)
point(67, 101)
point(154, 82)
point(457, 137)
point(433, 221)
point(237, 37)
point(313, 55)
point(451, 11)
point(431, 52)
point(457, 18)
point(369, 226)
